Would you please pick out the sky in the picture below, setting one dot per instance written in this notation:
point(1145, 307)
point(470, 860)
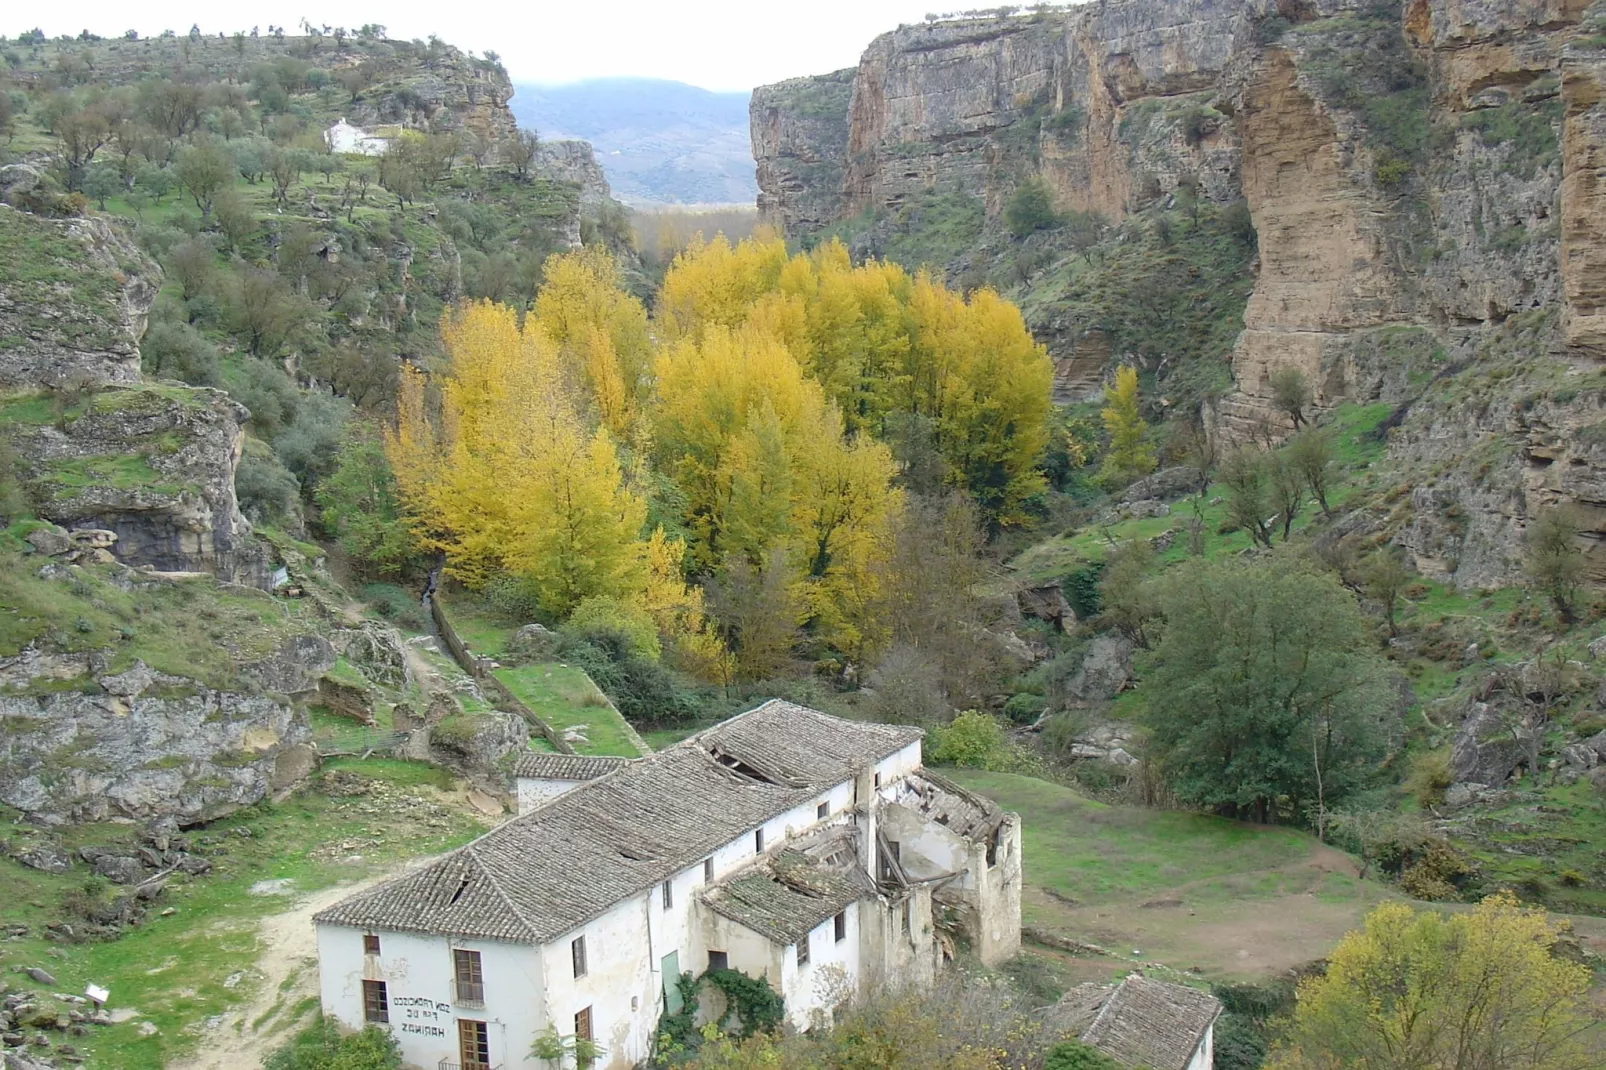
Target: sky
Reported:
point(716, 44)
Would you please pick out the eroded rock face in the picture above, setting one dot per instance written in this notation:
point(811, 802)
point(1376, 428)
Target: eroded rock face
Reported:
point(800, 140)
point(78, 316)
point(452, 91)
point(142, 746)
point(155, 465)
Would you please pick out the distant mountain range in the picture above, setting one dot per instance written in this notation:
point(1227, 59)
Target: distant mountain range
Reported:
point(660, 142)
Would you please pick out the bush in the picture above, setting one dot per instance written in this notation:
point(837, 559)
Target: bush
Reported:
point(601, 613)
point(179, 351)
point(268, 393)
point(1025, 707)
point(267, 491)
point(321, 1046)
point(396, 605)
point(1031, 208)
point(1239, 1044)
point(310, 445)
point(973, 740)
point(644, 691)
point(1429, 777)
point(1074, 1055)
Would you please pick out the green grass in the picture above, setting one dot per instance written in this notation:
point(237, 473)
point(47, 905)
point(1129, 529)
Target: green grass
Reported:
point(564, 697)
point(481, 627)
point(1095, 853)
point(171, 969)
point(192, 628)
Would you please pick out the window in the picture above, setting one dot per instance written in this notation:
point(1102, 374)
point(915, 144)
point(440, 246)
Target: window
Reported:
point(669, 894)
point(839, 926)
point(823, 810)
point(468, 978)
point(708, 871)
point(375, 1003)
point(992, 848)
point(889, 861)
point(803, 949)
point(878, 780)
point(758, 841)
point(370, 944)
point(583, 1056)
point(473, 1044)
point(719, 960)
point(577, 954)
point(906, 917)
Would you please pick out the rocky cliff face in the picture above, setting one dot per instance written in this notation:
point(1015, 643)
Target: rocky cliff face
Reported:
point(442, 89)
point(1423, 179)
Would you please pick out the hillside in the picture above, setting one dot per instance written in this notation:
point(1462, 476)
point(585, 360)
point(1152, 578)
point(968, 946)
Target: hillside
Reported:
point(660, 142)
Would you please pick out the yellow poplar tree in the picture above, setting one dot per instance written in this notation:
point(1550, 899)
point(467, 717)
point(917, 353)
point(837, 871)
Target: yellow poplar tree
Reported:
point(1129, 454)
point(600, 330)
point(507, 477)
point(1417, 990)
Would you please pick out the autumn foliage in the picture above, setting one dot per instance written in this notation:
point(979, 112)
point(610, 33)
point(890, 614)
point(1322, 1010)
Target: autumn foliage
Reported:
point(750, 418)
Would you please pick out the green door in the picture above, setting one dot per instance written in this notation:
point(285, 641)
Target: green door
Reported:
point(672, 1001)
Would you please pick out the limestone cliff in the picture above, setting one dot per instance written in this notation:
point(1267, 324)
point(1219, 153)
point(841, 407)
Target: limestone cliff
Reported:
point(1423, 180)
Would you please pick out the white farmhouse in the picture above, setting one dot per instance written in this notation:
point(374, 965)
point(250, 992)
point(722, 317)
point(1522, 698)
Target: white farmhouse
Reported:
point(810, 850)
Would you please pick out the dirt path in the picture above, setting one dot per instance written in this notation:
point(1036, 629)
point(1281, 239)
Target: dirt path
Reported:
point(286, 973)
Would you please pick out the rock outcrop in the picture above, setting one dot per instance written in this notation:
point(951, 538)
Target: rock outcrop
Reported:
point(153, 463)
point(1423, 179)
point(74, 294)
point(137, 744)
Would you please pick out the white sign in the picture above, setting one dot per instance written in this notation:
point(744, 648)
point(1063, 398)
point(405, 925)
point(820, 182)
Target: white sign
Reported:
point(97, 993)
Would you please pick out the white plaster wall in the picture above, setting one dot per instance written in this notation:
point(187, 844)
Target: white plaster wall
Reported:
point(898, 765)
point(535, 792)
point(617, 986)
point(1205, 1058)
point(748, 952)
point(417, 971)
point(925, 847)
point(831, 973)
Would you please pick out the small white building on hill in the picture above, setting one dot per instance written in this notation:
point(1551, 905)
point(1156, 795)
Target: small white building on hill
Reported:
point(343, 137)
point(785, 843)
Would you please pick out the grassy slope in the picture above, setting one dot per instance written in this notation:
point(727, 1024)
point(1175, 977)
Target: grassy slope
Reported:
point(1178, 889)
point(172, 970)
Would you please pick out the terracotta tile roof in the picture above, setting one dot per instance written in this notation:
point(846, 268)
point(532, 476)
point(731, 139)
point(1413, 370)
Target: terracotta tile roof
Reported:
point(546, 873)
point(540, 766)
point(1140, 1022)
point(785, 898)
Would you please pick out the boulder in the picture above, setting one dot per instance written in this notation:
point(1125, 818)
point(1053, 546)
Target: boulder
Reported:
point(49, 541)
point(1597, 743)
point(1046, 603)
point(42, 976)
point(1170, 482)
point(475, 744)
point(1597, 647)
point(47, 856)
point(1487, 750)
point(1145, 509)
point(375, 648)
point(185, 751)
point(120, 869)
point(1580, 756)
point(296, 666)
point(532, 641)
point(17, 180)
point(129, 684)
point(1106, 669)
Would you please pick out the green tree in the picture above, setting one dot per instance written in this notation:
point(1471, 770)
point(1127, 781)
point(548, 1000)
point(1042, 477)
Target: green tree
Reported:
point(101, 182)
point(1419, 990)
point(1249, 500)
point(1265, 697)
point(1310, 454)
point(1384, 579)
point(1291, 393)
point(1031, 208)
point(1555, 560)
point(1129, 454)
point(203, 170)
point(1126, 593)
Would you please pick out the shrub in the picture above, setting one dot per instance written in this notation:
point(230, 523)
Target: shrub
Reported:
point(1429, 777)
point(396, 605)
point(973, 740)
point(1025, 707)
point(324, 1046)
point(1074, 1055)
point(179, 351)
point(1031, 208)
point(267, 491)
point(601, 613)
